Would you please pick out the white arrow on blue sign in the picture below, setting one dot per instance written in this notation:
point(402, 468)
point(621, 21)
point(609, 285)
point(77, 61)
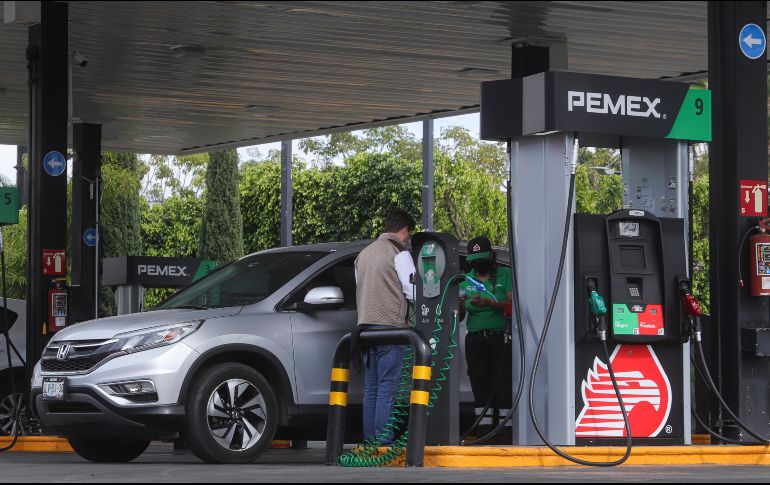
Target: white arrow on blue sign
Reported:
point(753, 41)
point(54, 163)
point(90, 237)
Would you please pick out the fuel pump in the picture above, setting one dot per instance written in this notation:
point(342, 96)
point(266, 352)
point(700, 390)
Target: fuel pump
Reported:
point(57, 306)
point(436, 305)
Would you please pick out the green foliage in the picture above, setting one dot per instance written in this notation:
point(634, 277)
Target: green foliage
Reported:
point(395, 140)
point(331, 202)
point(119, 229)
point(701, 260)
point(222, 228)
point(469, 187)
point(16, 257)
point(171, 229)
point(165, 176)
point(595, 191)
point(261, 205)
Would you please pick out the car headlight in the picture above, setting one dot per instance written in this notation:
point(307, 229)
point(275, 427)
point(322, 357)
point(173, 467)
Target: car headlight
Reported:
point(150, 338)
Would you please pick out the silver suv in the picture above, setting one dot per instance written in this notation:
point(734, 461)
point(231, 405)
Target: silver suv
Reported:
point(228, 363)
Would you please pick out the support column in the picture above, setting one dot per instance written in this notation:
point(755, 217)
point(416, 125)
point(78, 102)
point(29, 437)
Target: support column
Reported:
point(21, 175)
point(47, 219)
point(286, 193)
point(738, 152)
point(86, 187)
point(427, 175)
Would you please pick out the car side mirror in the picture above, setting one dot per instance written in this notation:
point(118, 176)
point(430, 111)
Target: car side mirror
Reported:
point(322, 298)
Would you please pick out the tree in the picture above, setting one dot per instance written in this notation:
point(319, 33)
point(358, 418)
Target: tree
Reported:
point(120, 233)
point(260, 192)
point(16, 257)
point(171, 229)
point(469, 197)
point(595, 191)
point(164, 176)
point(222, 227)
point(394, 140)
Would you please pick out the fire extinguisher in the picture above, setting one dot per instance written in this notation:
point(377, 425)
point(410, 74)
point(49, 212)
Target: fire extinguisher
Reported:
point(759, 259)
point(57, 306)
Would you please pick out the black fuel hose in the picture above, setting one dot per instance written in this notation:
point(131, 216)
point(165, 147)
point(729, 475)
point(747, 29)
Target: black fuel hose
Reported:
point(541, 347)
point(519, 329)
point(706, 375)
point(703, 424)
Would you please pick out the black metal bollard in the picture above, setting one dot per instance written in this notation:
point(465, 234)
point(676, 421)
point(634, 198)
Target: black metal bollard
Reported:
point(338, 401)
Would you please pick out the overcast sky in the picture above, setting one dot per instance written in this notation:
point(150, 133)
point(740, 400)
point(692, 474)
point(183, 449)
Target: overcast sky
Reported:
point(471, 122)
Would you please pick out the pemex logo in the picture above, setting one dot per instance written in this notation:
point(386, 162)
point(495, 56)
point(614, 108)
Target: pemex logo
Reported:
point(645, 389)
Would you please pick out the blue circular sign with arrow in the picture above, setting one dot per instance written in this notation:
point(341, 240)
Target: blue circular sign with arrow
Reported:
point(753, 41)
point(54, 163)
point(90, 237)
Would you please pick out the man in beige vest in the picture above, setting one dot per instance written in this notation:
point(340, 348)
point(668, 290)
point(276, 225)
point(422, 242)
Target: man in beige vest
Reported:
point(384, 272)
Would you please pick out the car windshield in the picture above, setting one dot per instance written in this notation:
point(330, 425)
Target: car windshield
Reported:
point(246, 281)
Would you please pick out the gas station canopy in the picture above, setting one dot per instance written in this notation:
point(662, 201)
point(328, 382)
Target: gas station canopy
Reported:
point(184, 77)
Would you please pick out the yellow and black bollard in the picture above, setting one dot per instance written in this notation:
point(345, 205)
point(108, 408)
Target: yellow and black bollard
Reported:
point(338, 401)
point(418, 412)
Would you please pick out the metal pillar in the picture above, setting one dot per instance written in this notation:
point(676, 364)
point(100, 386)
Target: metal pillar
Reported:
point(427, 175)
point(738, 152)
point(540, 173)
point(286, 193)
point(21, 175)
point(129, 299)
point(47, 220)
point(86, 187)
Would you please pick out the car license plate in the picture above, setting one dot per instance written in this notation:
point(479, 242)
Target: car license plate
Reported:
point(54, 388)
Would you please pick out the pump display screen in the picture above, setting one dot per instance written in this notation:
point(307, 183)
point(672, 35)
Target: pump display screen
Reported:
point(632, 258)
point(628, 229)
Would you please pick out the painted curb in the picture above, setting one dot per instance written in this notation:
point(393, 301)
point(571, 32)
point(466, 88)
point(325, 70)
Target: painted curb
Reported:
point(511, 457)
point(38, 444)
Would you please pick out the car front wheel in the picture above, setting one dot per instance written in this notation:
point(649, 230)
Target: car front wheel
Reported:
point(232, 414)
point(108, 451)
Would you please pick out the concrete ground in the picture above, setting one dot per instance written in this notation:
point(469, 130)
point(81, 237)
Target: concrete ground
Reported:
point(161, 464)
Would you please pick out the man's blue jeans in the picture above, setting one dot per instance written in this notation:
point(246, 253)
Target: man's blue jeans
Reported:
point(383, 370)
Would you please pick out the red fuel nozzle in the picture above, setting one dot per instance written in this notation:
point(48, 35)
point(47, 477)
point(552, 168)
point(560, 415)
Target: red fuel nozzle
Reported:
point(692, 306)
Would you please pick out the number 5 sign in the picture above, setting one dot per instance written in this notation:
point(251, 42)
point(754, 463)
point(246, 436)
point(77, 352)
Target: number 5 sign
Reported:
point(753, 198)
point(9, 206)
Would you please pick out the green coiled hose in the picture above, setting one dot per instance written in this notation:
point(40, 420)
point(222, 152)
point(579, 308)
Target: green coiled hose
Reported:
point(368, 454)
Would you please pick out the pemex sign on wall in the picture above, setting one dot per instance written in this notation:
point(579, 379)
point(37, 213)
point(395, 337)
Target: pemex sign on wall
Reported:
point(573, 102)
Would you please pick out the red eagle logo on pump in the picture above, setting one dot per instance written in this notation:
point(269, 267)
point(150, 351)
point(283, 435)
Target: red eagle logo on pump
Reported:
point(645, 389)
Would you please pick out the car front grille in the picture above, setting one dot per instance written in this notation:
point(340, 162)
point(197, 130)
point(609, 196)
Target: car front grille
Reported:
point(82, 358)
point(69, 365)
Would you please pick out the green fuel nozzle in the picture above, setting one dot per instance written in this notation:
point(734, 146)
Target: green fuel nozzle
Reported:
point(596, 304)
point(598, 309)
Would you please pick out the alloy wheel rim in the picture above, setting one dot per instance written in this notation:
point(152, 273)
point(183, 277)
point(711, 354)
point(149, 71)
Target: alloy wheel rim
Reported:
point(12, 415)
point(236, 415)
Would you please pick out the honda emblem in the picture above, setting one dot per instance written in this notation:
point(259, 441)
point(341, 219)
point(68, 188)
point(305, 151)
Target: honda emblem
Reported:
point(64, 351)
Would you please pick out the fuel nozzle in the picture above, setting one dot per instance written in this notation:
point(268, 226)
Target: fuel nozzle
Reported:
point(598, 309)
point(691, 307)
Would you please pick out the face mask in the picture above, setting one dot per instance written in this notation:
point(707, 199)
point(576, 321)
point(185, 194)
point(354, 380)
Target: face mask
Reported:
point(482, 267)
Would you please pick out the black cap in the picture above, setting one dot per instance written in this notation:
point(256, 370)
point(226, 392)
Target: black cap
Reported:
point(479, 248)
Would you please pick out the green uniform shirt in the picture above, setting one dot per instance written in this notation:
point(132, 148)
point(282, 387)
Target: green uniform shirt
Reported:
point(487, 318)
